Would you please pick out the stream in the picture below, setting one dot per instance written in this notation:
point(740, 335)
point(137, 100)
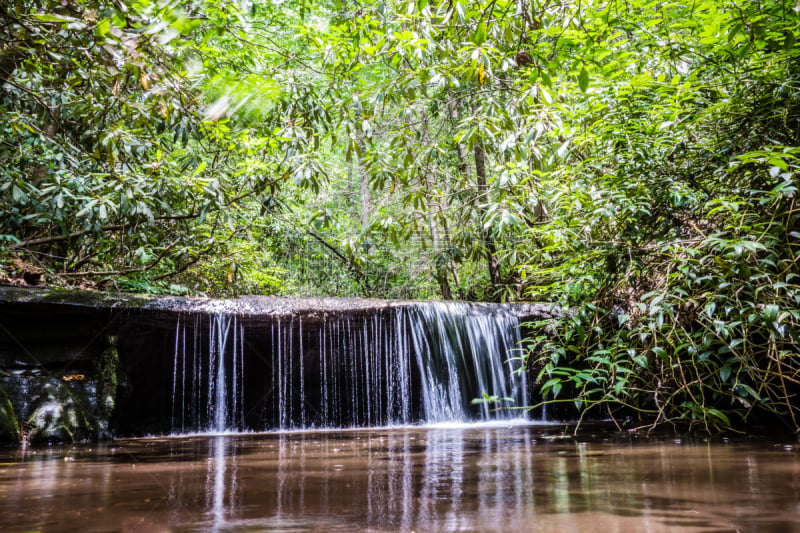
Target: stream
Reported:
point(497, 476)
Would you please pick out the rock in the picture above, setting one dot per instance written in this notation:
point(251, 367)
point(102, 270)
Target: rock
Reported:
point(60, 413)
point(9, 425)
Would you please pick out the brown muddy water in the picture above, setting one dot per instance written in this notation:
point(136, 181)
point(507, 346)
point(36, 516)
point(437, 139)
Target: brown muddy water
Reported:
point(495, 478)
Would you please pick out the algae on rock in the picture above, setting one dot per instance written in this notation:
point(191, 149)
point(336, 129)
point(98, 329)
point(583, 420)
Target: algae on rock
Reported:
point(59, 414)
point(107, 368)
point(76, 406)
point(9, 425)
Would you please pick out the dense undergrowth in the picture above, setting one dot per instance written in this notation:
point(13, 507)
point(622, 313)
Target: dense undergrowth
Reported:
point(696, 320)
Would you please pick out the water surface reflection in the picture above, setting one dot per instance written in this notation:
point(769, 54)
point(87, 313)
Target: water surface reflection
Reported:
point(523, 478)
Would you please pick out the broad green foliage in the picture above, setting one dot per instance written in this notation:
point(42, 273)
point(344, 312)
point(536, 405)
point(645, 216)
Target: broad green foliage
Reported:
point(683, 223)
point(96, 121)
point(128, 147)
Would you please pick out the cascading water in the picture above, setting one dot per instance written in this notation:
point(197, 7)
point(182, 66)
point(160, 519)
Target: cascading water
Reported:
point(207, 389)
point(463, 352)
point(422, 362)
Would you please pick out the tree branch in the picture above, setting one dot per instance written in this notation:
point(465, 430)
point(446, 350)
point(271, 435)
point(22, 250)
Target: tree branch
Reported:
point(350, 264)
point(76, 234)
point(145, 268)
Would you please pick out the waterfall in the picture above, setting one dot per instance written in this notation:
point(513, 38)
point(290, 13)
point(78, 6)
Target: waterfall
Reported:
point(212, 397)
point(412, 363)
point(465, 351)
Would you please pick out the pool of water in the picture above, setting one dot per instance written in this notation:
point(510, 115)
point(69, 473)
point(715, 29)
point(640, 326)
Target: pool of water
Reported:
point(515, 478)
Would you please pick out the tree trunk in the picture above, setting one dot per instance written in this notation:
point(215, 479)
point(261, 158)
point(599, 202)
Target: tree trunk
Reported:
point(439, 266)
point(463, 162)
point(365, 202)
point(483, 192)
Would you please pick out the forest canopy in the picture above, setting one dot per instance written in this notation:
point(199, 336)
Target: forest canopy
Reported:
point(633, 162)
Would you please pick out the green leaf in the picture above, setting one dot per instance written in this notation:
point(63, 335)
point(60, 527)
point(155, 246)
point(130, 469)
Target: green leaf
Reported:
point(661, 353)
point(102, 27)
point(50, 17)
point(583, 80)
point(17, 193)
point(556, 389)
point(480, 34)
point(552, 385)
point(719, 415)
point(200, 168)
point(546, 95)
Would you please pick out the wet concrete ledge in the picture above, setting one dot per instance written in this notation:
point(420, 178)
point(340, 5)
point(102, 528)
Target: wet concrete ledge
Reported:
point(245, 306)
